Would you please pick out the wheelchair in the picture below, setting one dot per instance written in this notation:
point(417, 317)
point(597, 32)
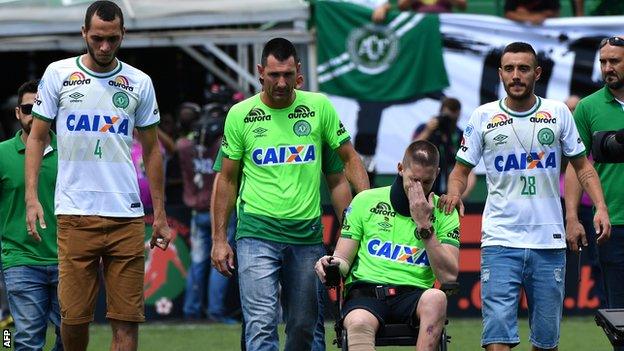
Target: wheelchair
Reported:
point(391, 334)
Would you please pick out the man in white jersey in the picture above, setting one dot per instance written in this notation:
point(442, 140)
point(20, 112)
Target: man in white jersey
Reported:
point(97, 101)
point(521, 139)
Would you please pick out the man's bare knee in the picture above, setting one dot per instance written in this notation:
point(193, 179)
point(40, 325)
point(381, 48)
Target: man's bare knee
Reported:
point(361, 327)
point(432, 305)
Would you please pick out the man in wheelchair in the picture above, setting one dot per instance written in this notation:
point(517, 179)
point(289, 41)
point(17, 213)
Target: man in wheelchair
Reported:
point(394, 244)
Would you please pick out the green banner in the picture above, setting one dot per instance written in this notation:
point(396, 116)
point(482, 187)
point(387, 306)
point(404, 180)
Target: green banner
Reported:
point(396, 60)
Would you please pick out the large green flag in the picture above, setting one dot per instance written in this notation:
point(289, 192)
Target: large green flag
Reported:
point(397, 60)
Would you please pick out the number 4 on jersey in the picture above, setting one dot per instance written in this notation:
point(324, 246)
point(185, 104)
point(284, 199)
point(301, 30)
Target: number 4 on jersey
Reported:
point(98, 149)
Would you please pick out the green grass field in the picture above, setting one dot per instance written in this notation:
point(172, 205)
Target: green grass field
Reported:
point(578, 333)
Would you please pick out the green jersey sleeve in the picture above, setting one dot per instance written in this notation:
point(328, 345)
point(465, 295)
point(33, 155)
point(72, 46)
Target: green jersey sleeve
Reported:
point(218, 161)
point(581, 119)
point(334, 132)
point(446, 227)
point(232, 144)
point(331, 161)
point(353, 220)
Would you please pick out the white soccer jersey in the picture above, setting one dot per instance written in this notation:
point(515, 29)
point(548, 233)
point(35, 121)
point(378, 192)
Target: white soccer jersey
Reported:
point(95, 115)
point(522, 156)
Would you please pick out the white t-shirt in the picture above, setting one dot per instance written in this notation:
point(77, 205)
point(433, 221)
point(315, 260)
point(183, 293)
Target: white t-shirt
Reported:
point(95, 115)
point(523, 208)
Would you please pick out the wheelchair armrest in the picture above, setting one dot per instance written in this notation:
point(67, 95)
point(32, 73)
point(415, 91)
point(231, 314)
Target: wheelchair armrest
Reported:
point(332, 275)
point(450, 288)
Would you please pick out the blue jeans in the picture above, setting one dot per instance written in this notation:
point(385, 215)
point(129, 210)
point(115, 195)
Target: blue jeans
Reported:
point(611, 256)
point(262, 267)
point(217, 285)
point(33, 301)
point(319, 330)
point(541, 273)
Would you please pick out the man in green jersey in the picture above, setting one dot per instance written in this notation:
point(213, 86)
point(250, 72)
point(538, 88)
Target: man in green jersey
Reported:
point(393, 246)
point(30, 267)
point(340, 193)
point(600, 111)
point(275, 139)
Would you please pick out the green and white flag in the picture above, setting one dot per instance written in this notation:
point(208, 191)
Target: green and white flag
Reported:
point(397, 60)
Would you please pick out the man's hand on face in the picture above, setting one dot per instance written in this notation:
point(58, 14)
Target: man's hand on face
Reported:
point(420, 207)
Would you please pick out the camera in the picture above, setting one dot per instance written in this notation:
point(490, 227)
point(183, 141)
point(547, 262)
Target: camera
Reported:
point(608, 146)
point(445, 124)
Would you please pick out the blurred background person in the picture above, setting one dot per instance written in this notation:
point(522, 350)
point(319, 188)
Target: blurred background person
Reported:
point(424, 6)
point(532, 11)
point(30, 267)
point(442, 131)
point(197, 151)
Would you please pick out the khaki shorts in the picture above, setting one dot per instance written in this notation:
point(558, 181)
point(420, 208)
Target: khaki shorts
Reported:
point(117, 245)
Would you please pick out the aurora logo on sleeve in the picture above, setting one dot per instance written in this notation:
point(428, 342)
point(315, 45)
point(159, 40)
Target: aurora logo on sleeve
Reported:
point(289, 154)
point(397, 252)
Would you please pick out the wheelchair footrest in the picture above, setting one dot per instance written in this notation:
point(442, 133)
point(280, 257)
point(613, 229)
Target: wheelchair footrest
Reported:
point(612, 322)
point(397, 334)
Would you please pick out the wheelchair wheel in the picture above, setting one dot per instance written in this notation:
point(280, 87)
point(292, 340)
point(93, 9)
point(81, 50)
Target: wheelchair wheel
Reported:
point(343, 341)
point(444, 340)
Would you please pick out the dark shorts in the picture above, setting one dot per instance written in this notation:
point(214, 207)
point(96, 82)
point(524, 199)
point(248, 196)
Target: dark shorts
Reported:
point(396, 309)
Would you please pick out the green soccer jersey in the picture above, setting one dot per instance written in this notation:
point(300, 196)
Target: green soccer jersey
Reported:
point(389, 253)
point(18, 248)
point(598, 112)
point(280, 156)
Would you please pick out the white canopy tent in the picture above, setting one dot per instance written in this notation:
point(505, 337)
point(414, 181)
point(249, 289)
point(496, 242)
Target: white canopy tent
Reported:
point(35, 25)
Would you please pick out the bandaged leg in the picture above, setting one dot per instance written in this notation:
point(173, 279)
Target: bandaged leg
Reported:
point(361, 327)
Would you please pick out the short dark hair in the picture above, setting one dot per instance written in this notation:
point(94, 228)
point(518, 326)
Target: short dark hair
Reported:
point(28, 87)
point(451, 103)
point(282, 49)
point(104, 9)
point(422, 153)
point(520, 46)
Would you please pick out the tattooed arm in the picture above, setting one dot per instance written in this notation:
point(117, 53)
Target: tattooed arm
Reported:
point(588, 179)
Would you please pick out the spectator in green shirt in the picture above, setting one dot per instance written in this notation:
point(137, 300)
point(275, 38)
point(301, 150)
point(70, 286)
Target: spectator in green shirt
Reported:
point(30, 266)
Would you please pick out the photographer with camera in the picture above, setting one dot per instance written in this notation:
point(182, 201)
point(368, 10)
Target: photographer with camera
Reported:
point(197, 152)
point(603, 111)
point(442, 131)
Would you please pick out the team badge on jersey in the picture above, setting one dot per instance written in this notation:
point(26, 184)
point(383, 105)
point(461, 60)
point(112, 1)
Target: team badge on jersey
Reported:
point(302, 128)
point(546, 136)
point(121, 100)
